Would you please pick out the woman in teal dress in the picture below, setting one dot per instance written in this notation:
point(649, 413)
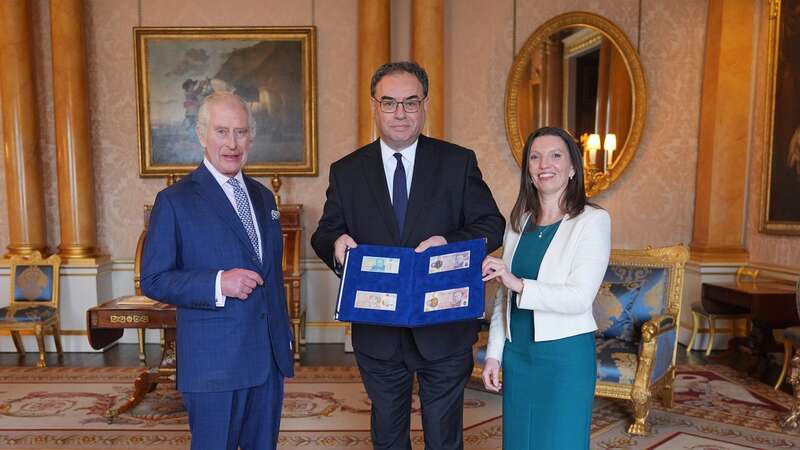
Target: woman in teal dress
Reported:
point(555, 255)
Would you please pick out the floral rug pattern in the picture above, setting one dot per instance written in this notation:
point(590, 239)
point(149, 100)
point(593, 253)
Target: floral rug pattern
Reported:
point(326, 408)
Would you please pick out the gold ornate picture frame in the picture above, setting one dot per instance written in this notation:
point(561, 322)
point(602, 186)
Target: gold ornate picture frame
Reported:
point(780, 188)
point(271, 68)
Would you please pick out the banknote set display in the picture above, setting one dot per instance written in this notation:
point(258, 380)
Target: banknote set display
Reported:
point(448, 262)
point(447, 299)
point(396, 286)
point(380, 265)
point(382, 301)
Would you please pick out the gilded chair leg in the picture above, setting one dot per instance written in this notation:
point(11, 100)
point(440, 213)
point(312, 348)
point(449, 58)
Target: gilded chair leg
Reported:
point(787, 355)
point(141, 344)
point(712, 329)
point(641, 409)
point(57, 338)
point(794, 379)
point(666, 392)
point(18, 342)
point(39, 331)
point(695, 329)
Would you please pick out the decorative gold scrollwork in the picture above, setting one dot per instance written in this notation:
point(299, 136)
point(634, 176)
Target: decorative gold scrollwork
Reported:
point(129, 318)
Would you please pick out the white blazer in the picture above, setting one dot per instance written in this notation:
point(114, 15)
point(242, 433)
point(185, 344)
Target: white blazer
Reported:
point(570, 275)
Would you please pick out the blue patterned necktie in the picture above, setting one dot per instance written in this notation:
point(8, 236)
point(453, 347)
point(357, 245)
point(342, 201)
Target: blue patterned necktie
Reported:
point(399, 192)
point(243, 209)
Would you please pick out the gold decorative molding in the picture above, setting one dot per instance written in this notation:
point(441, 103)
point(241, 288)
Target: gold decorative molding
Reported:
point(705, 254)
point(592, 40)
point(774, 9)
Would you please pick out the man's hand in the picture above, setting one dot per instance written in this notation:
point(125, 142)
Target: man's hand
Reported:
point(491, 375)
point(496, 268)
point(433, 241)
point(341, 245)
point(239, 283)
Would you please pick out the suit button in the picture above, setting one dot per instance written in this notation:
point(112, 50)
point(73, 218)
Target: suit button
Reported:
point(256, 261)
point(263, 316)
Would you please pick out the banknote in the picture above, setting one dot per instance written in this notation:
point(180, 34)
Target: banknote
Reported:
point(380, 264)
point(384, 301)
point(451, 298)
point(450, 261)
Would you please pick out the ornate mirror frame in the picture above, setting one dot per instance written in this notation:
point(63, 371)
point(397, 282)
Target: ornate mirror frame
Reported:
point(597, 181)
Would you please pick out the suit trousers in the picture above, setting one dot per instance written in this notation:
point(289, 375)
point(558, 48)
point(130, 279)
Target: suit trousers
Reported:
point(248, 418)
point(441, 392)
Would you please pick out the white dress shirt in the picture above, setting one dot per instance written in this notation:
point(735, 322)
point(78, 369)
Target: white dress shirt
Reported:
point(390, 165)
point(228, 189)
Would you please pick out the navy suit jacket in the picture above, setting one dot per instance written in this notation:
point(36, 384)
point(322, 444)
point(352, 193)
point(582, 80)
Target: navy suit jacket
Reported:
point(448, 198)
point(194, 232)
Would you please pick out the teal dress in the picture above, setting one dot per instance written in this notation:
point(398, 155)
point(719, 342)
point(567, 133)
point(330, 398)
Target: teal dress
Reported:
point(548, 387)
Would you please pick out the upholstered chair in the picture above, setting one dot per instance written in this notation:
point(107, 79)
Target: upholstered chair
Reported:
point(637, 311)
point(33, 304)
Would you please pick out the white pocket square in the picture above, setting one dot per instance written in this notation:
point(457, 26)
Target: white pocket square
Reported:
point(276, 215)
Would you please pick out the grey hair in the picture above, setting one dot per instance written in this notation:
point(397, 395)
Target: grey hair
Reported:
point(409, 67)
point(204, 113)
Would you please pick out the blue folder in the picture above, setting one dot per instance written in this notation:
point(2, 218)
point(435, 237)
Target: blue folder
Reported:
point(395, 286)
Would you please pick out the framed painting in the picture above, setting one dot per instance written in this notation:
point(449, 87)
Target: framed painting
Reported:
point(273, 69)
point(780, 191)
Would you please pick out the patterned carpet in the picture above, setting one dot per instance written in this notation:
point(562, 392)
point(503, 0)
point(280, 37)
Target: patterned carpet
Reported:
point(326, 408)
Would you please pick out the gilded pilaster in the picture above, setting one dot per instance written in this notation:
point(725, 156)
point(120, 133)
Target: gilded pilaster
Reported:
point(427, 48)
point(720, 200)
point(22, 160)
point(73, 145)
point(373, 51)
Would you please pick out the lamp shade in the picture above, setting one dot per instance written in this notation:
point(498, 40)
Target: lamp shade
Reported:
point(594, 142)
point(610, 143)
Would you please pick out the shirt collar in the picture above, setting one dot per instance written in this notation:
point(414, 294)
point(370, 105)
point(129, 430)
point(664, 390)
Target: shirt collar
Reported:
point(221, 178)
point(409, 153)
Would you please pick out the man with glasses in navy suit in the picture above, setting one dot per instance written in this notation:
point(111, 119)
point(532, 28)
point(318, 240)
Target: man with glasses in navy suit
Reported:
point(407, 189)
point(214, 249)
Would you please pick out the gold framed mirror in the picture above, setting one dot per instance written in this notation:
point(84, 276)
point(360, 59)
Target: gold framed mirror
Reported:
point(579, 71)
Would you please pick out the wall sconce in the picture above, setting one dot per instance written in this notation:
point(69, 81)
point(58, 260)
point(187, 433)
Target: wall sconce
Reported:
point(609, 145)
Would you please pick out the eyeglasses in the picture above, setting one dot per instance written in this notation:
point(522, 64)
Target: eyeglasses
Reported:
point(389, 105)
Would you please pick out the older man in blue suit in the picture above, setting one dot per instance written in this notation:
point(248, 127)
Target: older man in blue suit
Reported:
point(213, 249)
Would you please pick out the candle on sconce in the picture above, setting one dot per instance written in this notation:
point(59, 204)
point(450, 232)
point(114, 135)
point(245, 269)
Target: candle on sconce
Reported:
point(609, 145)
point(593, 145)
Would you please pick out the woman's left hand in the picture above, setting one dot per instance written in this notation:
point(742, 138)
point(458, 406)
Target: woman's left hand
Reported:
point(496, 268)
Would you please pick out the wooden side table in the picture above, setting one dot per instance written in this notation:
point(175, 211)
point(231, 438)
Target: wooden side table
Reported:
point(292, 272)
point(771, 305)
point(105, 324)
